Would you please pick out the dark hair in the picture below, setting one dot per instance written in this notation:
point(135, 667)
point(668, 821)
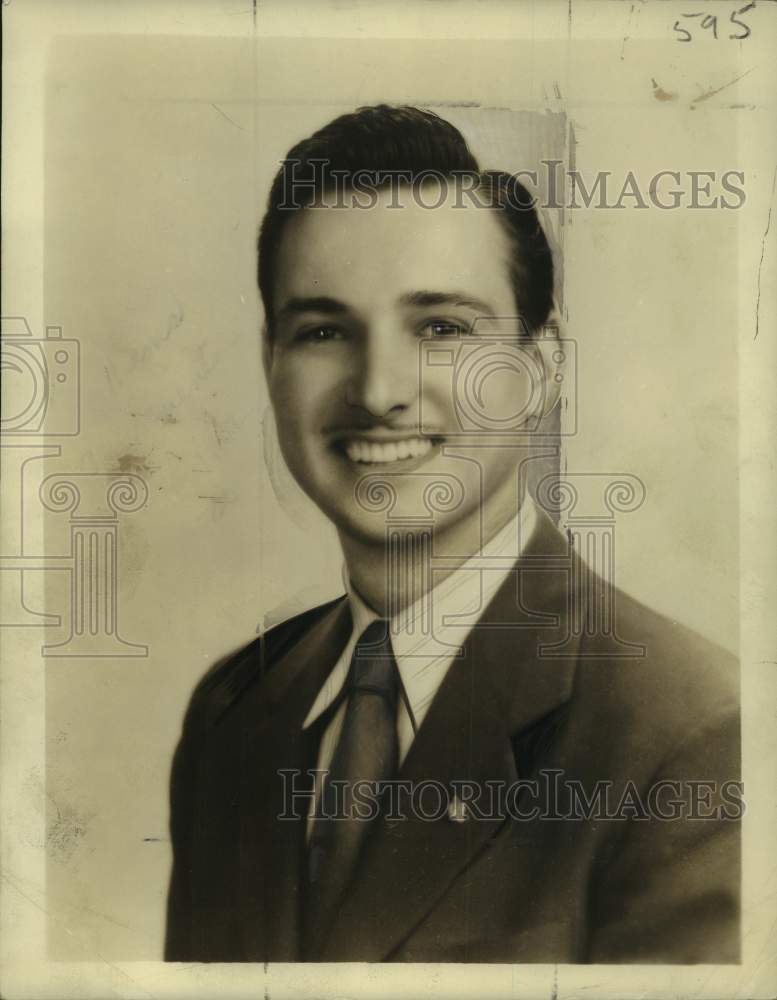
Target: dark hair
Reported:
point(382, 141)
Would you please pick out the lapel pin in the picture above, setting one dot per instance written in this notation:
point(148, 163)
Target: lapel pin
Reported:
point(457, 811)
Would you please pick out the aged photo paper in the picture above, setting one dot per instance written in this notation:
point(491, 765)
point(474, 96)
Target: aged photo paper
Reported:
point(389, 404)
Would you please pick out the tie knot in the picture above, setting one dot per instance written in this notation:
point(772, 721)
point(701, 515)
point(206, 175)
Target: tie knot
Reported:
point(373, 667)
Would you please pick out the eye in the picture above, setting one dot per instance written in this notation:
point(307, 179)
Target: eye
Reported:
point(321, 333)
point(446, 328)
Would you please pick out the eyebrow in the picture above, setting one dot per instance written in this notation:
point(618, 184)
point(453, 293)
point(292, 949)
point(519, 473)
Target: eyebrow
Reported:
point(419, 300)
point(428, 299)
point(320, 304)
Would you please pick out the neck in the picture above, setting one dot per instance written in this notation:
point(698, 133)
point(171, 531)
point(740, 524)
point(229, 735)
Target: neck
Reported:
point(390, 576)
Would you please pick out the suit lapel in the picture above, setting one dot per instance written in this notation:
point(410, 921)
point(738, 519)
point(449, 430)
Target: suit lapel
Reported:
point(273, 741)
point(496, 690)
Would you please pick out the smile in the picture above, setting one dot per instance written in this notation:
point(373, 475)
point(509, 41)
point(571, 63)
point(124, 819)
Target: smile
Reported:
point(372, 452)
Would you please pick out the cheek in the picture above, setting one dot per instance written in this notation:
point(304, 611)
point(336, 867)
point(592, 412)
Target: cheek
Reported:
point(302, 394)
point(285, 391)
point(438, 387)
point(494, 391)
point(505, 395)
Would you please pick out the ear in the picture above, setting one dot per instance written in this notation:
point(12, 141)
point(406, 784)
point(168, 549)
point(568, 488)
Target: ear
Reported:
point(267, 351)
point(548, 342)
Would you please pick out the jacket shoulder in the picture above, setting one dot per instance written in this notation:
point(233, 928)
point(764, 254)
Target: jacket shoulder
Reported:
point(680, 658)
point(680, 683)
point(229, 678)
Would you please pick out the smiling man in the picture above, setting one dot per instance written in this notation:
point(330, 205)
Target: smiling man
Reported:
point(344, 368)
point(441, 765)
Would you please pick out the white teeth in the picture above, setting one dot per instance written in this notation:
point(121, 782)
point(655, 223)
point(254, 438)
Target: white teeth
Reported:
point(392, 451)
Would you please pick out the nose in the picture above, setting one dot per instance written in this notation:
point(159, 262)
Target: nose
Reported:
point(386, 378)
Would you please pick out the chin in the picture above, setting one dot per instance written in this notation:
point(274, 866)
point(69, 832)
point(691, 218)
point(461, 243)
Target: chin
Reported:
point(374, 529)
point(367, 529)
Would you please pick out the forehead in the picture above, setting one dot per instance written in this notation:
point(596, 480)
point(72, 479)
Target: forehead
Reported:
point(370, 256)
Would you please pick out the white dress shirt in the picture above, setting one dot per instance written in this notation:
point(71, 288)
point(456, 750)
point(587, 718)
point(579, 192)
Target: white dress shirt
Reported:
point(425, 638)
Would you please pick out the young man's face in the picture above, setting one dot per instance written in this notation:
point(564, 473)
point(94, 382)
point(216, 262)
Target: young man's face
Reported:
point(357, 293)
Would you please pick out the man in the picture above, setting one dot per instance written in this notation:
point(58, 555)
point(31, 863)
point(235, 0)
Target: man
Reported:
point(444, 764)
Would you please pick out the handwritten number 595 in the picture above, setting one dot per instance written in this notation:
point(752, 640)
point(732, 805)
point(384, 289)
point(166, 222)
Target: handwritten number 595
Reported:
point(709, 22)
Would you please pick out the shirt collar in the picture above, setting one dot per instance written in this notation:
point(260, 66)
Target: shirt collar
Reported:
point(463, 594)
point(427, 636)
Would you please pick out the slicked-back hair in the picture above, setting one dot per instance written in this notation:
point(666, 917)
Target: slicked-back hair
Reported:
point(382, 142)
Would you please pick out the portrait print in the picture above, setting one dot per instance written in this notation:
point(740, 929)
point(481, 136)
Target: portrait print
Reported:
point(412, 355)
point(388, 397)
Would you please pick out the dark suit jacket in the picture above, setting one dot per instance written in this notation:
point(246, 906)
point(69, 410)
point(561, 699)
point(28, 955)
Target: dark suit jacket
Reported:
point(500, 889)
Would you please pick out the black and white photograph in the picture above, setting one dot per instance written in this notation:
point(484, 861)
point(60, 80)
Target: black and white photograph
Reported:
point(388, 487)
